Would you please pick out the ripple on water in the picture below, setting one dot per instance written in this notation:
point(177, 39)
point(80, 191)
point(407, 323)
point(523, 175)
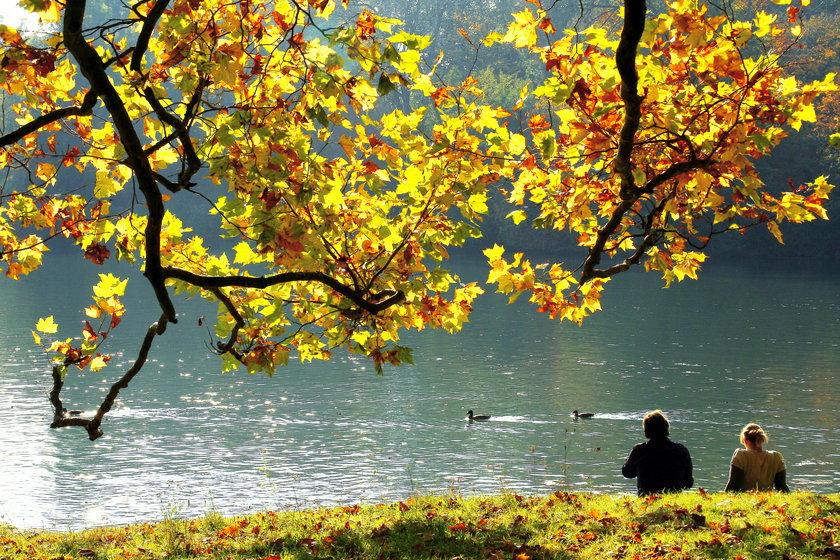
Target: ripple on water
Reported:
point(187, 439)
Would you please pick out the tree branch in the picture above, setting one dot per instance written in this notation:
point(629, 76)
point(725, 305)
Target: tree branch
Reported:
point(93, 69)
point(149, 24)
point(86, 108)
point(182, 131)
point(635, 12)
point(93, 425)
point(372, 303)
point(239, 324)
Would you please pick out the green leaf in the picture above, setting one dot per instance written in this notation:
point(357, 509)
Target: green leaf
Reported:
point(385, 85)
point(548, 146)
point(415, 42)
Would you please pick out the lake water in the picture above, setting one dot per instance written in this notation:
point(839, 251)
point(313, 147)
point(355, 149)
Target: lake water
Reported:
point(740, 345)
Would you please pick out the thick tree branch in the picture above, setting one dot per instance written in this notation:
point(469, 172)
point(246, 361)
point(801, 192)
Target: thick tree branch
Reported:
point(635, 12)
point(674, 171)
point(93, 69)
point(149, 25)
point(372, 303)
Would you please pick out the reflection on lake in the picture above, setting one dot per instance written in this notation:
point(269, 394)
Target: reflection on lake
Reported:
point(735, 347)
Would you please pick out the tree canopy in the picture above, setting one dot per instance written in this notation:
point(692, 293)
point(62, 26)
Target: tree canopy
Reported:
point(335, 210)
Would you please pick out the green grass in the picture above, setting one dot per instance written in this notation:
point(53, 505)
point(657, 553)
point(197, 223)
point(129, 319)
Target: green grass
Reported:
point(693, 525)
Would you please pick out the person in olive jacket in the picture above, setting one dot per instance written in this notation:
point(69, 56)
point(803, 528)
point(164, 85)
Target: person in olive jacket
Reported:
point(658, 465)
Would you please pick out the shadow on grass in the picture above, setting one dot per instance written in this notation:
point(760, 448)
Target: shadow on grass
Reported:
point(415, 539)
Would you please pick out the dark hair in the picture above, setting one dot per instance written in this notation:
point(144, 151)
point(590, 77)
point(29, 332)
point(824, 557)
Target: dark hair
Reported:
point(655, 424)
point(754, 434)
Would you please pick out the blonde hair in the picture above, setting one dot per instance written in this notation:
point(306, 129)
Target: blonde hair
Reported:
point(754, 434)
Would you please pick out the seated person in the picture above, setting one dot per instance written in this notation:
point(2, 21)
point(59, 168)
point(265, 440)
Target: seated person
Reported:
point(659, 465)
point(753, 468)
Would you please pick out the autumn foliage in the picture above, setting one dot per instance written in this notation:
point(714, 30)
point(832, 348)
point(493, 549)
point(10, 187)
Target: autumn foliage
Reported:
point(557, 526)
point(703, 100)
point(335, 212)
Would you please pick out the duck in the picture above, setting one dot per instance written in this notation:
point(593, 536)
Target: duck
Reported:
point(478, 417)
point(577, 414)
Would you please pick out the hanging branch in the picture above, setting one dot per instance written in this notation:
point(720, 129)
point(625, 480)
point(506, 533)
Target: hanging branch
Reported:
point(62, 418)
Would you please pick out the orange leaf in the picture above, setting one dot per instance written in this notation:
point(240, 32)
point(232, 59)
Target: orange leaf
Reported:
point(230, 530)
point(364, 26)
point(547, 26)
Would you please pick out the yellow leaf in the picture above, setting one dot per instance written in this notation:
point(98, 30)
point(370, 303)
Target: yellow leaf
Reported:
point(413, 178)
point(518, 216)
point(423, 82)
point(47, 325)
point(774, 229)
point(45, 172)
point(93, 312)
point(111, 306)
point(522, 31)
point(763, 21)
point(98, 363)
point(523, 95)
point(109, 285)
point(244, 254)
point(805, 113)
point(495, 253)
point(105, 185)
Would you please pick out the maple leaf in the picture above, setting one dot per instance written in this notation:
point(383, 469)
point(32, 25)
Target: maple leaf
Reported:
point(97, 253)
point(365, 28)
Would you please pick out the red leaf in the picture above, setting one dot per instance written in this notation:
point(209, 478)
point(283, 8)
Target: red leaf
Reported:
point(70, 157)
point(97, 253)
point(370, 167)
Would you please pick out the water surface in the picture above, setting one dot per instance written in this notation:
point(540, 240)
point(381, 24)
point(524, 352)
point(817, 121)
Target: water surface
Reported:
point(738, 346)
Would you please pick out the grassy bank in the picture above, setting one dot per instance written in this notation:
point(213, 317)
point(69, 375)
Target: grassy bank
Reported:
point(692, 525)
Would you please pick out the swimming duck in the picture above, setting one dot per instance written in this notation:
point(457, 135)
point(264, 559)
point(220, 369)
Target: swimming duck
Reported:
point(479, 417)
point(577, 414)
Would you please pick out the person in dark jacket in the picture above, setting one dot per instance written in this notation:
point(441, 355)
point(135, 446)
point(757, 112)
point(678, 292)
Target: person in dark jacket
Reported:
point(658, 465)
